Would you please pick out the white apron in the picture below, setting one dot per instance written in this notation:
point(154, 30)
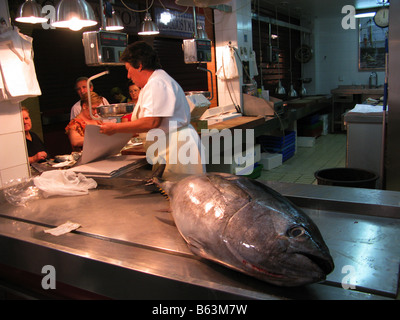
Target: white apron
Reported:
point(179, 150)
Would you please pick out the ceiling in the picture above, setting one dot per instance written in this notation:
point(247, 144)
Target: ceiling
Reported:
point(316, 8)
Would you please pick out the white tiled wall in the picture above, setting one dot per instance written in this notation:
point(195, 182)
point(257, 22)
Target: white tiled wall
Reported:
point(233, 27)
point(13, 156)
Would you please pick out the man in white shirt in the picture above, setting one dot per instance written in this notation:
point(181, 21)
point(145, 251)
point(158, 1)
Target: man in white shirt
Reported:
point(81, 89)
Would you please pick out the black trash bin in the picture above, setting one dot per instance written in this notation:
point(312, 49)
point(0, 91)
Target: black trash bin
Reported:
point(347, 177)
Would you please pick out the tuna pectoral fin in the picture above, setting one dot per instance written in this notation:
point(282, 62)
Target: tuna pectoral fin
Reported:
point(197, 248)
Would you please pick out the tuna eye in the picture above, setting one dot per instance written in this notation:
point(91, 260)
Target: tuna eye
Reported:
point(296, 232)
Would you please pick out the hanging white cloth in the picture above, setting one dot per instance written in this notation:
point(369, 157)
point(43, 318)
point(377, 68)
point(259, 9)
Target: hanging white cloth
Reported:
point(253, 64)
point(17, 70)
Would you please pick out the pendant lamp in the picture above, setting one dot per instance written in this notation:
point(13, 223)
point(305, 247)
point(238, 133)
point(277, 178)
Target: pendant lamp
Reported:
point(30, 12)
point(148, 26)
point(74, 14)
point(201, 33)
point(114, 23)
point(110, 20)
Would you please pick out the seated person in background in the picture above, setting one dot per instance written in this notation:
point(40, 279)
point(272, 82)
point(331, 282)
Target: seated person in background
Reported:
point(134, 91)
point(81, 90)
point(76, 127)
point(36, 150)
point(118, 96)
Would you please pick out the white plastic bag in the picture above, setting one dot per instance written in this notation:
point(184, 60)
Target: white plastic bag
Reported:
point(64, 183)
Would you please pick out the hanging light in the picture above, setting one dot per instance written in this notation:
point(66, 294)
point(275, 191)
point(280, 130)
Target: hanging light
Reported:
point(114, 23)
point(30, 12)
point(280, 89)
point(201, 33)
point(109, 19)
point(74, 14)
point(148, 26)
point(166, 17)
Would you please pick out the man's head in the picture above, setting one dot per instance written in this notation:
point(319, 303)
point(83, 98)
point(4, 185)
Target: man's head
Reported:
point(81, 86)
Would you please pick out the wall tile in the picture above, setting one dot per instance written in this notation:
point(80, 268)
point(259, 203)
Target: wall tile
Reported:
point(10, 119)
point(17, 172)
point(13, 150)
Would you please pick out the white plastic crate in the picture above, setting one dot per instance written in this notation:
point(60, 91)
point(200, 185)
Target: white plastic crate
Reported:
point(270, 160)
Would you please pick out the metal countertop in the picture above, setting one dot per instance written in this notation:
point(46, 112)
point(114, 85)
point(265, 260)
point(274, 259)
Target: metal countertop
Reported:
point(129, 248)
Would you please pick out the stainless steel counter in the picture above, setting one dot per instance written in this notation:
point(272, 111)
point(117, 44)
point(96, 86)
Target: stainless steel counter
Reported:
point(129, 248)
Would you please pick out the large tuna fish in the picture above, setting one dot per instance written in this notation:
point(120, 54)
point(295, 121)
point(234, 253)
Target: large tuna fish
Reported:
point(247, 226)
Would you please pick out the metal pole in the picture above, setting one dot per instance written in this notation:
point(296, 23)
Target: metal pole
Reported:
point(385, 98)
point(195, 35)
point(102, 16)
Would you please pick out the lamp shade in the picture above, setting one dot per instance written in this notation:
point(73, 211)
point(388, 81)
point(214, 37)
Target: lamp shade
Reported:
point(74, 14)
point(30, 12)
point(114, 23)
point(292, 92)
point(201, 33)
point(148, 26)
point(280, 89)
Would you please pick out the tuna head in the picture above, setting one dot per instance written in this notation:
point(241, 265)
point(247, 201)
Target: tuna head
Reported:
point(276, 242)
point(247, 226)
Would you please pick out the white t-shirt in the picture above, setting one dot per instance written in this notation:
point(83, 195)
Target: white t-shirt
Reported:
point(163, 97)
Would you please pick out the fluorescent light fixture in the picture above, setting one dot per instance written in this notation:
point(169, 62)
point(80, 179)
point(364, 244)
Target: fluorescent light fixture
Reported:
point(30, 12)
point(366, 12)
point(74, 14)
point(365, 15)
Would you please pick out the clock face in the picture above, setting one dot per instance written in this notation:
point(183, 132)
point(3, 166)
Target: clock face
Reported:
point(381, 17)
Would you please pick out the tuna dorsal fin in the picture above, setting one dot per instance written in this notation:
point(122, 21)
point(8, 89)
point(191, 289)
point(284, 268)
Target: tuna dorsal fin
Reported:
point(158, 170)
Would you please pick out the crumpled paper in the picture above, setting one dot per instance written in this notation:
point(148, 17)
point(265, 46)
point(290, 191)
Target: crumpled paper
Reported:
point(63, 229)
point(64, 183)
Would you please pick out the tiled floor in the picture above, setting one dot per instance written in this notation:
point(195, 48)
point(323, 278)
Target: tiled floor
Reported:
point(329, 151)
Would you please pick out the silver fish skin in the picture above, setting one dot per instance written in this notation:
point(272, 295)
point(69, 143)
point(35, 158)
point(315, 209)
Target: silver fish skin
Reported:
point(246, 226)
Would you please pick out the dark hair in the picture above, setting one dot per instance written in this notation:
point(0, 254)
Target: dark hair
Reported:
point(82, 79)
point(140, 52)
